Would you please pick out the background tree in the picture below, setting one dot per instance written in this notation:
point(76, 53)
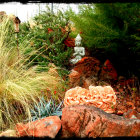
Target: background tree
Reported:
point(111, 31)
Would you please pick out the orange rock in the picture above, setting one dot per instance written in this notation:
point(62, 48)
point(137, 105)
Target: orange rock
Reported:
point(74, 78)
point(132, 114)
point(46, 127)
point(108, 71)
point(84, 72)
point(88, 66)
point(72, 96)
point(131, 82)
point(101, 97)
point(88, 121)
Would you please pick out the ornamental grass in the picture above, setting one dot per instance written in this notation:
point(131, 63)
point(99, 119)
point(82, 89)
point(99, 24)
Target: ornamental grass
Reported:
point(20, 86)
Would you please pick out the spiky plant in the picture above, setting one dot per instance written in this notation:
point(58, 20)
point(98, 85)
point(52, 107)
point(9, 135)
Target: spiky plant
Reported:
point(45, 109)
point(19, 86)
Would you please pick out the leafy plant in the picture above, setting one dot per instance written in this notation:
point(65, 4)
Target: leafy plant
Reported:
point(20, 86)
point(47, 39)
point(45, 109)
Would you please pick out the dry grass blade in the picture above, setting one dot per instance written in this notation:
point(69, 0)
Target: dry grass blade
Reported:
point(20, 88)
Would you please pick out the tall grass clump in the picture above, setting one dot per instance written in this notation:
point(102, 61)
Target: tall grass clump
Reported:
point(20, 87)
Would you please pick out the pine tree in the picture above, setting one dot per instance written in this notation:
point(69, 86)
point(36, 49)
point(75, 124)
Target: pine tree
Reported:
point(111, 31)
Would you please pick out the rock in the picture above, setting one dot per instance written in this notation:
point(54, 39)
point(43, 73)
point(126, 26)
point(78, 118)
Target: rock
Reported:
point(131, 81)
point(88, 121)
point(88, 81)
point(88, 66)
point(74, 78)
point(126, 102)
point(132, 114)
point(84, 72)
point(8, 133)
point(46, 127)
point(87, 72)
point(101, 97)
point(108, 72)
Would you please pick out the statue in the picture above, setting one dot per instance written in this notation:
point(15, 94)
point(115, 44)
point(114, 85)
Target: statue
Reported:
point(79, 52)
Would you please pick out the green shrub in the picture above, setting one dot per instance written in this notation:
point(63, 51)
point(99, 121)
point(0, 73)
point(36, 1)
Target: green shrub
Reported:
point(47, 39)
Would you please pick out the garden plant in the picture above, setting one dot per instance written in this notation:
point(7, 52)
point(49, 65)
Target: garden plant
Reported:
point(46, 34)
point(35, 78)
point(21, 87)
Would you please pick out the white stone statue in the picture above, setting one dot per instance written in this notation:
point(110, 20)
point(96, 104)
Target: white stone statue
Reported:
point(79, 52)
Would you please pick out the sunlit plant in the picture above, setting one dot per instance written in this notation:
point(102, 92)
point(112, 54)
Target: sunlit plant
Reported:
point(20, 86)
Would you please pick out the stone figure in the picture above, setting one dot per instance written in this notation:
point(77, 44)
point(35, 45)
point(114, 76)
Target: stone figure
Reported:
point(79, 51)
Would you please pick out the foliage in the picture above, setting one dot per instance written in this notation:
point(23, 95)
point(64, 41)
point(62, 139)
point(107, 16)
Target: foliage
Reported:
point(47, 32)
point(111, 31)
point(45, 109)
point(20, 86)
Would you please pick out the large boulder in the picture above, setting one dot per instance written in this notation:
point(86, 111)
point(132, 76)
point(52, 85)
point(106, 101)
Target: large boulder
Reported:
point(89, 121)
point(88, 66)
point(84, 72)
point(101, 97)
point(88, 71)
point(46, 127)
